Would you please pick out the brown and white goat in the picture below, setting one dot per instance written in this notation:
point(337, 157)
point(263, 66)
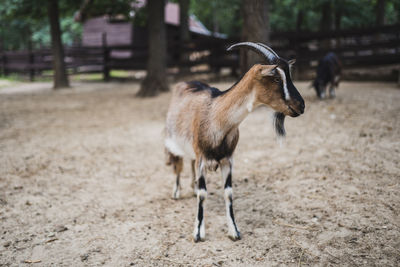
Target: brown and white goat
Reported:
point(202, 124)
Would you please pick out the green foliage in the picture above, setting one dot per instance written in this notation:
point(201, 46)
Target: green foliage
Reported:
point(25, 21)
point(218, 15)
point(109, 7)
point(71, 30)
point(140, 17)
point(283, 14)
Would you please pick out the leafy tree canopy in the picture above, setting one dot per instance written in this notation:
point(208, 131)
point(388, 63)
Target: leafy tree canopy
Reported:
point(24, 22)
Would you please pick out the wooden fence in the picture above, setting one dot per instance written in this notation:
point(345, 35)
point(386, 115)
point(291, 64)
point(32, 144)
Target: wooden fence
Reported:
point(356, 48)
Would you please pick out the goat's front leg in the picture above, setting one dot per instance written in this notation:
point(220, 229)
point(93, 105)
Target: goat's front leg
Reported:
point(199, 233)
point(226, 171)
point(332, 91)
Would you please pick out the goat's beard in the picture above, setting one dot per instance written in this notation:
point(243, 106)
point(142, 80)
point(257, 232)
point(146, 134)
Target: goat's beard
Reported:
point(279, 124)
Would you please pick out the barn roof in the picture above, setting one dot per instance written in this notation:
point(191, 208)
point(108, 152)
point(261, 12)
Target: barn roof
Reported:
point(172, 14)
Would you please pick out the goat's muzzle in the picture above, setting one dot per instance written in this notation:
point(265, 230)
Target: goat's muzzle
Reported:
point(296, 107)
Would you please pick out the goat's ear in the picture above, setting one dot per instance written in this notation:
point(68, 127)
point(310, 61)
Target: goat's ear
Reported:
point(268, 70)
point(292, 61)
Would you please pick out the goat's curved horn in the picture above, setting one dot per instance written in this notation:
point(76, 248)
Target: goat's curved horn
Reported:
point(269, 49)
point(261, 49)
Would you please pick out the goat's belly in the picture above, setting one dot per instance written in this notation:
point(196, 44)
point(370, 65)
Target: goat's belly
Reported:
point(180, 147)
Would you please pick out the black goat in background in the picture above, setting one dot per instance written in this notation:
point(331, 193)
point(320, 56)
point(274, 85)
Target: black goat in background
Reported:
point(328, 73)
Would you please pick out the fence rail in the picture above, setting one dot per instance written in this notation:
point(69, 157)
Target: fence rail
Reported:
point(355, 48)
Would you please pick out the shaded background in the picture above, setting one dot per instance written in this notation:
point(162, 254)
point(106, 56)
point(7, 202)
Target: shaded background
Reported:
point(115, 39)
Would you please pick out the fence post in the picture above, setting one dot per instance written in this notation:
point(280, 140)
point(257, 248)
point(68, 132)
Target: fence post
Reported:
point(213, 60)
point(31, 65)
point(106, 52)
point(5, 71)
point(2, 66)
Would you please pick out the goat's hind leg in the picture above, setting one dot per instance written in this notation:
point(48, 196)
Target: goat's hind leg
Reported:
point(226, 171)
point(177, 164)
point(199, 228)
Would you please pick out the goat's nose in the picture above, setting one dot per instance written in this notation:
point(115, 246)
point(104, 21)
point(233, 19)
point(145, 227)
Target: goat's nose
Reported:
point(299, 104)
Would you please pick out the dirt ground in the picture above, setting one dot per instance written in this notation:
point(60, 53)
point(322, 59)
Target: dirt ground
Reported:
point(83, 183)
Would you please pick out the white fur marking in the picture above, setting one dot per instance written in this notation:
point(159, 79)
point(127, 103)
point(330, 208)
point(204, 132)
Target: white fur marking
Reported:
point(228, 192)
point(231, 225)
point(176, 192)
point(337, 77)
point(285, 89)
point(201, 193)
point(173, 147)
point(241, 110)
point(179, 147)
point(233, 231)
point(250, 103)
point(225, 169)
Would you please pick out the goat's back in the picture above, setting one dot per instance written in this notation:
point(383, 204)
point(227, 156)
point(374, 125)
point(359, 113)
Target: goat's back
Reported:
point(329, 67)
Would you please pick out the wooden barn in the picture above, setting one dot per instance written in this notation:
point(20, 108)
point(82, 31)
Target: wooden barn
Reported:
point(121, 32)
point(126, 43)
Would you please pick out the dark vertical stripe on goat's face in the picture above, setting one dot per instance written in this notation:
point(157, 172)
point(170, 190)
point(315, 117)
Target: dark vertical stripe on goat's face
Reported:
point(293, 92)
point(295, 102)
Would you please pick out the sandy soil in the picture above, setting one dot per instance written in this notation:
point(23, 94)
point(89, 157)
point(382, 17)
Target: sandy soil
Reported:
point(83, 183)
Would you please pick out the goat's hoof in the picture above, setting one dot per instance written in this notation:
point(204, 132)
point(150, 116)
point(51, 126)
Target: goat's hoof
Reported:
point(198, 238)
point(236, 236)
point(199, 235)
point(176, 195)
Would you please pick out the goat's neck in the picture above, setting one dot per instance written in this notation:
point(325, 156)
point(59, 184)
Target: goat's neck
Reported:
point(233, 107)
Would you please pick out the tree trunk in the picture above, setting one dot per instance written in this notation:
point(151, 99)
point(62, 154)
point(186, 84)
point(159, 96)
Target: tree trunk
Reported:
point(338, 20)
point(380, 20)
point(380, 12)
point(256, 28)
point(326, 23)
point(326, 17)
point(155, 81)
point(60, 75)
point(299, 20)
point(184, 20)
point(184, 34)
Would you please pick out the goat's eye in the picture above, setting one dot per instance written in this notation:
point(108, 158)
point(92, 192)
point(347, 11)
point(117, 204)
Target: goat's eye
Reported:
point(277, 80)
